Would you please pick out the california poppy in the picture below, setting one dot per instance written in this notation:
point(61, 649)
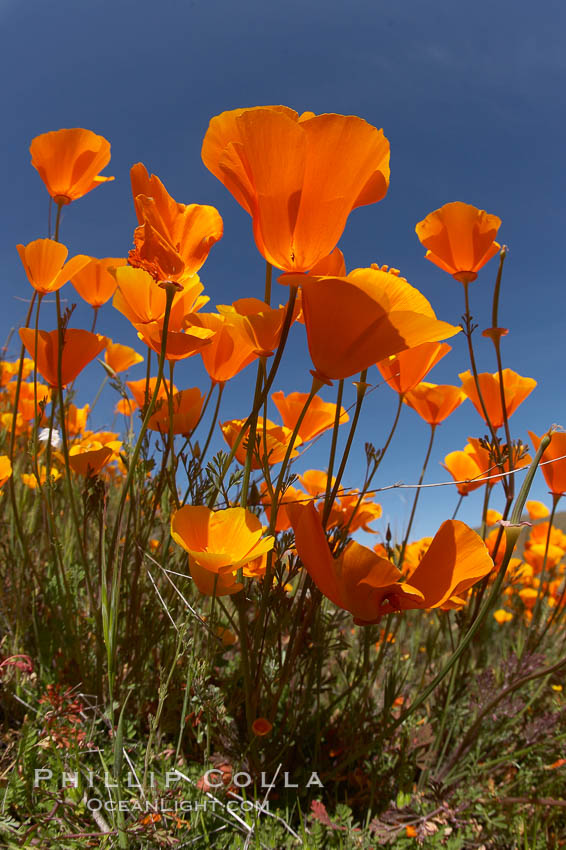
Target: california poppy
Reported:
point(319, 417)
point(219, 541)
point(405, 370)
point(30, 480)
point(353, 322)
point(291, 494)
point(260, 323)
point(230, 350)
point(516, 390)
point(277, 439)
point(466, 467)
point(69, 162)
point(77, 419)
point(45, 266)
point(138, 390)
point(434, 402)
point(359, 580)
point(186, 407)
point(95, 283)
point(342, 512)
point(368, 585)
point(536, 510)
point(87, 459)
point(141, 301)
point(460, 239)
point(179, 344)
point(26, 401)
point(554, 473)
point(79, 348)
point(5, 469)
point(120, 358)
point(173, 240)
point(9, 370)
point(299, 177)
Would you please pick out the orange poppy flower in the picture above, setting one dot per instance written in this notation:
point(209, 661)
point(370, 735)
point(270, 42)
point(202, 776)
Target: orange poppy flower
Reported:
point(173, 240)
point(230, 350)
point(536, 510)
point(367, 585)
point(319, 417)
point(554, 473)
point(88, 458)
point(138, 390)
point(359, 580)
point(120, 358)
point(187, 406)
point(126, 406)
point(353, 322)
point(69, 161)
point(179, 344)
point(291, 494)
point(5, 469)
point(516, 391)
point(79, 348)
point(44, 264)
point(434, 402)
point(31, 480)
point(95, 283)
point(467, 465)
point(260, 323)
point(276, 441)
point(77, 419)
point(219, 541)
point(460, 239)
point(26, 401)
point(405, 370)
point(314, 482)
point(299, 177)
point(343, 510)
point(9, 370)
point(141, 301)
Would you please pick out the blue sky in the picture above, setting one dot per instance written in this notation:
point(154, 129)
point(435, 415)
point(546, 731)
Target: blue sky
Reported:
point(469, 96)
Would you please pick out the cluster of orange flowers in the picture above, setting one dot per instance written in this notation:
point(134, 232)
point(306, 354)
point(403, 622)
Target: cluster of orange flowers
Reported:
point(298, 177)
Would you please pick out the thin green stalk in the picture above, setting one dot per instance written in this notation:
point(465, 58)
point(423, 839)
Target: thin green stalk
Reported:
point(267, 386)
point(362, 387)
point(417, 495)
point(334, 442)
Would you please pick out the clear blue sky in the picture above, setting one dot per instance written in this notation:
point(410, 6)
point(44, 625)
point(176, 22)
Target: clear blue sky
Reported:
point(470, 96)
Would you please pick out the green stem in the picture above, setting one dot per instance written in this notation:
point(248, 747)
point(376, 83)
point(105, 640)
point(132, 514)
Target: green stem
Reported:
point(359, 401)
point(417, 495)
